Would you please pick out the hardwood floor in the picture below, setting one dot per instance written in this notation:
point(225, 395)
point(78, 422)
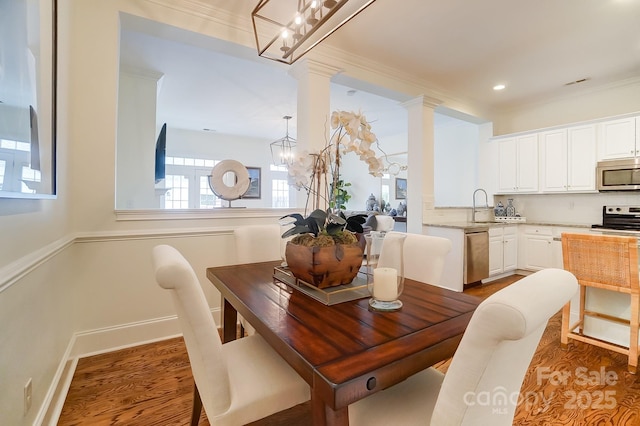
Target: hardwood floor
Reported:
point(152, 385)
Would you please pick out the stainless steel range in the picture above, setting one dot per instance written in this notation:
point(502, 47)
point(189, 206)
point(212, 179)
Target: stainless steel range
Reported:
point(620, 219)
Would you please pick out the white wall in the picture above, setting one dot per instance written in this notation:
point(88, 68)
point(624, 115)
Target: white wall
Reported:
point(137, 135)
point(456, 149)
point(616, 99)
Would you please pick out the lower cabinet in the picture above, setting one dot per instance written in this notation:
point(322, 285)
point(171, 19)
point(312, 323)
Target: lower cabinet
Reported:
point(541, 246)
point(536, 247)
point(503, 249)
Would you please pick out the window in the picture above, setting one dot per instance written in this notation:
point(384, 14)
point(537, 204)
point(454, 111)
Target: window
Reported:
point(3, 167)
point(187, 181)
point(279, 193)
point(15, 173)
point(29, 175)
point(279, 186)
point(177, 197)
point(385, 193)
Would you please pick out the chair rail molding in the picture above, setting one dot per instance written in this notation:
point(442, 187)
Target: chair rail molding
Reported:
point(14, 271)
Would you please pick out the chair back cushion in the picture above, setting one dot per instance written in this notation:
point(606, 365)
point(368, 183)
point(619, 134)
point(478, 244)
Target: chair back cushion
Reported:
point(424, 256)
point(482, 384)
point(384, 223)
point(258, 243)
point(204, 346)
point(604, 261)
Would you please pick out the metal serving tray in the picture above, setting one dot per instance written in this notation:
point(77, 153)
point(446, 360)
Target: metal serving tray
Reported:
point(357, 289)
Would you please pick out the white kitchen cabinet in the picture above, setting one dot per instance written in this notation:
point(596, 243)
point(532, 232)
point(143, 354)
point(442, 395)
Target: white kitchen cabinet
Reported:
point(535, 248)
point(507, 166)
point(540, 247)
point(510, 255)
point(518, 164)
point(503, 249)
point(496, 251)
point(568, 159)
point(553, 164)
point(581, 158)
point(618, 139)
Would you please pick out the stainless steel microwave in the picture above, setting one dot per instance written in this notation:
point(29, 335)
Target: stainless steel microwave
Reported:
point(618, 175)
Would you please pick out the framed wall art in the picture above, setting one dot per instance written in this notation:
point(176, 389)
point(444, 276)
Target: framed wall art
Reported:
point(401, 189)
point(255, 182)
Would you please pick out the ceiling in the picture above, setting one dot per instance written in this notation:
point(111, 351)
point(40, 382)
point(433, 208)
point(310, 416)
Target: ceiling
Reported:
point(458, 47)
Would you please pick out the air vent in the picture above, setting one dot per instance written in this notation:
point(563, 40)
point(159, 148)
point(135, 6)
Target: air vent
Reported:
point(582, 80)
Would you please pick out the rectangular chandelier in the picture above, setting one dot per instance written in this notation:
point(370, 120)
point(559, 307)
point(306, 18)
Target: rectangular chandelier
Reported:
point(287, 29)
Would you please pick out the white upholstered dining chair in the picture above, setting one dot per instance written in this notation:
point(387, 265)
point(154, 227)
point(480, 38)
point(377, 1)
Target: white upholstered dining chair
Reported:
point(257, 243)
point(384, 223)
point(238, 382)
point(482, 384)
point(424, 256)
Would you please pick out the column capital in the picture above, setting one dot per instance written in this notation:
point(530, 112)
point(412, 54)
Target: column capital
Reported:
point(423, 100)
point(310, 66)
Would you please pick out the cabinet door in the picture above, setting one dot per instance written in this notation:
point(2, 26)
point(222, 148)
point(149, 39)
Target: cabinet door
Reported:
point(507, 162)
point(527, 168)
point(617, 139)
point(553, 147)
point(538, 252)
point(510, 249)
point(495, 251)
point(581, 144)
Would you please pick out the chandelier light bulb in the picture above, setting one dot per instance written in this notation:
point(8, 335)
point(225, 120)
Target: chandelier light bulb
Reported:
point(285, 33)
point(298, 19)
point(314, 4)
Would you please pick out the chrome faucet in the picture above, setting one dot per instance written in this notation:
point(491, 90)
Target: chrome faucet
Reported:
point(486, 203)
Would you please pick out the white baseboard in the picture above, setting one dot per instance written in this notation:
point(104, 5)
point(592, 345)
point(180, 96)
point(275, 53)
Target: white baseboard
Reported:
point(94, 342)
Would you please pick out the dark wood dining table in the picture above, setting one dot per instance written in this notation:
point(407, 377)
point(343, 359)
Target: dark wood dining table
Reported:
point(344, 351)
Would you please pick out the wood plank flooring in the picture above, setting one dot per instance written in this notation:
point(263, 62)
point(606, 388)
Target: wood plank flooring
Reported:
point(152, 385)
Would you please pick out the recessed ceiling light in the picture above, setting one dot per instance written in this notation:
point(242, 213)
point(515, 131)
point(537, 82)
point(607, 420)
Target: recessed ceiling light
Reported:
point(209, 130)
point(499, 87)
point(351, 92)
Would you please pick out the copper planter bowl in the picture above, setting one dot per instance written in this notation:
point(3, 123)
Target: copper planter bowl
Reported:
point(324, 266)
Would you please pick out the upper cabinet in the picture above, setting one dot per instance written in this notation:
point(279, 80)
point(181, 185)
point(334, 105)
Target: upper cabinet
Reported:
point(568, 159)
point(518, 164)
point(564, 159)
point(618, 139)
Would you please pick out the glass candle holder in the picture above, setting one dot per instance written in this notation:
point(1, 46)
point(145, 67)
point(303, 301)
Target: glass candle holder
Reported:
point(374, 241)
point(385, 270)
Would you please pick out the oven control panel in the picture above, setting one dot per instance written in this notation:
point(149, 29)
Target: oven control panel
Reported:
point(625, 210)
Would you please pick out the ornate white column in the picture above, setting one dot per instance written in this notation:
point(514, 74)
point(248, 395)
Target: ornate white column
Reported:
point(314, 106)
point(420, 187)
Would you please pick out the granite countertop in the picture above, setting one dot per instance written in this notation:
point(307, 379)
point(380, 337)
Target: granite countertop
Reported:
point(479, 225)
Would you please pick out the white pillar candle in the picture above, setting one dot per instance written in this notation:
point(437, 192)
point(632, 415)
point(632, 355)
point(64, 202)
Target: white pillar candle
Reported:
point(385, 284)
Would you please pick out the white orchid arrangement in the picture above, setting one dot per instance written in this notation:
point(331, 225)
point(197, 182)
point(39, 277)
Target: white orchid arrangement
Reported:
point(351, 132)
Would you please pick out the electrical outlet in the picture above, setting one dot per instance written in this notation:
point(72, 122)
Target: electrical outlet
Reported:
point(28, 395)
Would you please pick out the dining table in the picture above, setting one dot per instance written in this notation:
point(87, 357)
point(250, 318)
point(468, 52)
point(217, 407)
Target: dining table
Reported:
point(344, 351)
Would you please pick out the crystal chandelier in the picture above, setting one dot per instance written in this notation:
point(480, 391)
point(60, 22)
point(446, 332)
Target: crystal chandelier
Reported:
point(282, 149)
point(284, 32)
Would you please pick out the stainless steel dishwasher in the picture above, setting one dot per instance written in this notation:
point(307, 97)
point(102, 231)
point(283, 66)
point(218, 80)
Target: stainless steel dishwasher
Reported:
point(476, 254)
